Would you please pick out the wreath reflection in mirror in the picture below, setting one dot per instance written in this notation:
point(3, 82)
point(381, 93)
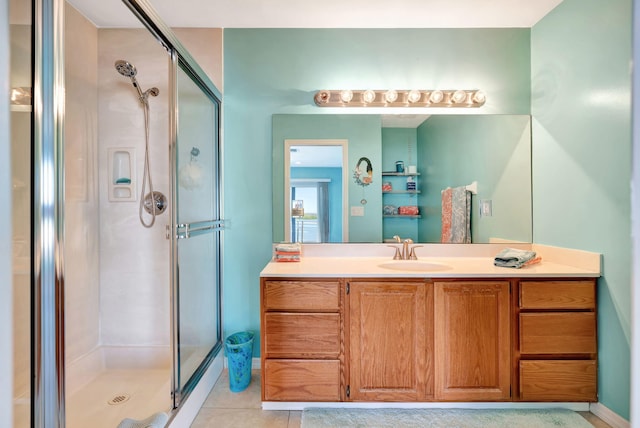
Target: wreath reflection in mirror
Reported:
point(363, 177)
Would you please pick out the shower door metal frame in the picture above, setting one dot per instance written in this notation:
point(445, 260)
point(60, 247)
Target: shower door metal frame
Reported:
point(180, 57)
point(47, 205)
point(47, 200)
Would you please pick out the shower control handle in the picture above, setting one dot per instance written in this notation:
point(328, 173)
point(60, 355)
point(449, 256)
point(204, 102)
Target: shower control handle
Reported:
point(159, 200)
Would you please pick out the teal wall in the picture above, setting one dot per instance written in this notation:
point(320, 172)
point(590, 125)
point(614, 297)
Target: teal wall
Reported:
point(334, 187)
point(495, 151)
point(277, 71)
point(580, 57)
point(399, 144)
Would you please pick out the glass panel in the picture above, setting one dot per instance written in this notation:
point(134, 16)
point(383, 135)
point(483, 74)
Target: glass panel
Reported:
point(20, 86)
point(117, 271)
point(199, 329)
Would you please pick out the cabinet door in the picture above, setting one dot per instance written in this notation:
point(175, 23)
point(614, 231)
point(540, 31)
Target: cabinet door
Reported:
point(388, 341)
point(471, 340)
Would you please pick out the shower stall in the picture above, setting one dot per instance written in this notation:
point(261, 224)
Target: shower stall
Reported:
point(116, 278)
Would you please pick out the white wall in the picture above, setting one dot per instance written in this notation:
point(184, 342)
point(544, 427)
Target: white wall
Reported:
point(635, 225)
point(82, 218)
point(6, 312)
point(134, 260)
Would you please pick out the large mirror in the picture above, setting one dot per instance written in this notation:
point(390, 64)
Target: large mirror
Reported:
point(417, 163)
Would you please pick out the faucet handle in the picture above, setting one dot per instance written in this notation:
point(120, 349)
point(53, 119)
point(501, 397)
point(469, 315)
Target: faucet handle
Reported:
point(412, 254)
point(397, 255)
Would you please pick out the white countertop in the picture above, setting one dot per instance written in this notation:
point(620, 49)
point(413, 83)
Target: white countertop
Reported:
point(556, 263)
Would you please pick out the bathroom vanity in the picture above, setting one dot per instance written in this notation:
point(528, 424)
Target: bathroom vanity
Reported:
point(444, 329)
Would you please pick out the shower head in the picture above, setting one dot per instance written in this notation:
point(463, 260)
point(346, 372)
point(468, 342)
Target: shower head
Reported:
point(129, 70)
point(125, 68)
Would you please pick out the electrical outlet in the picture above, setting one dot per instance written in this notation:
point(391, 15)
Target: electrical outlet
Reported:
point(486, 208)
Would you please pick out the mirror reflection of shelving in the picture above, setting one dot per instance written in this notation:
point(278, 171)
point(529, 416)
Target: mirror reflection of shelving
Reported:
point(395, 186)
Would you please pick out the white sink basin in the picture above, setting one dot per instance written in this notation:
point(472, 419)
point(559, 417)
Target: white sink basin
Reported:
point(414, 265)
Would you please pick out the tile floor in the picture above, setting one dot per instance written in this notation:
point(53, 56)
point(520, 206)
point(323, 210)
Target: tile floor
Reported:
point(225, 409)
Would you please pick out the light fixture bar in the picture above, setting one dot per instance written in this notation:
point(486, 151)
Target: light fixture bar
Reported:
point(400, 98)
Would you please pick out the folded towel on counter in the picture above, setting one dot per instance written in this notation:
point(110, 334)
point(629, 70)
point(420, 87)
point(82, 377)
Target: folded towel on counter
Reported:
point(288, 247)
point(287, 252)
point(512, 258)
point(286, 258)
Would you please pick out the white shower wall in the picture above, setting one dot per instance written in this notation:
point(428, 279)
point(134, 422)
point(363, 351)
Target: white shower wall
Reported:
point(117, 271)
point(134, 260)
point(82, 216)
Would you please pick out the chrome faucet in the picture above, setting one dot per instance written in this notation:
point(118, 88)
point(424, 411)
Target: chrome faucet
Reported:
point(408, 253)
point(405, 248)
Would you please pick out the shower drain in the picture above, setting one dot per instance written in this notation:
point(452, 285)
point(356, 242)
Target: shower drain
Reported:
point(118, 399)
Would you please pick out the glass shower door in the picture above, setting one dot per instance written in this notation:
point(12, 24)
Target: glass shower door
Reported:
point(198, 332)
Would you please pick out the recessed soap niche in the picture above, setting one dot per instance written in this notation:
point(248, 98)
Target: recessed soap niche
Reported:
point(122, 174)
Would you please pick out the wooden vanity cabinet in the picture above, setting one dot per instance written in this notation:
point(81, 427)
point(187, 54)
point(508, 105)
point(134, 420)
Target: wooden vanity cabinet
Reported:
point(390, 340)
point(302, 339)
point(357, 339)
point(556, 344)
point(472, 340)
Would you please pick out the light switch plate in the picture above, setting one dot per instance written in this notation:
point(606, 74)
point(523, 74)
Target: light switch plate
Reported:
point(357, 211)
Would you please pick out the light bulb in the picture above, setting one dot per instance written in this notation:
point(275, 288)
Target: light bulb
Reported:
point(368, 96)
point(479, 97)
point(459, 96)
point(436, 96)
point(346, 95)
point(391, 96)
point(322, 97)
point(414, 96)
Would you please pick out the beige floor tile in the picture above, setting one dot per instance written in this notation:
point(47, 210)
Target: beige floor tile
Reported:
point(295, 419)
point(221, 396)
point(240, 418)
point(594, 420)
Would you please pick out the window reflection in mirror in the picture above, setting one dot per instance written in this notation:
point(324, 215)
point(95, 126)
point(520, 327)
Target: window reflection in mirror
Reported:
point(315, 191)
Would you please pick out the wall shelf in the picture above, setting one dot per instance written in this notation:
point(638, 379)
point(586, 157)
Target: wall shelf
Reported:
point(401, 192)
point(400, 174)
point(402, 216)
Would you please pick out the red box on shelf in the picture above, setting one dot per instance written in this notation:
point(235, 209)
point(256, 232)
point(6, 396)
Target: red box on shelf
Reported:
point(408, 210)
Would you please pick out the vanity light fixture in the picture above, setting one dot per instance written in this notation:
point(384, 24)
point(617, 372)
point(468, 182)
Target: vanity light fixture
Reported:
point(400, 98)
point(368, 96)
point(414, 96)
point(346, 95)
point(391, 96)
point(459, 97)
point(21, 96)
point(436, 97)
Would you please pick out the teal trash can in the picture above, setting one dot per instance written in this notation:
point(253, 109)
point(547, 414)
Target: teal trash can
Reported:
point(239, 347)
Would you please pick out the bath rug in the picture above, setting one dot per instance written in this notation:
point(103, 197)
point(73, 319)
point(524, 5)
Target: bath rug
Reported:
point(442, 418)
point(157, 420)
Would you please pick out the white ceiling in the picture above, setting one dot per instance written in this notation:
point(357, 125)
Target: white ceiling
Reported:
point(327, 13)
point(316, 156)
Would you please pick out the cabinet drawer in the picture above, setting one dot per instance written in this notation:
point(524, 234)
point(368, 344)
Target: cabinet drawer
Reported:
point(301, 380)
point(558, 333)
point(557, 295)
point(301, 335)
point(301, 295)
point(573, 380)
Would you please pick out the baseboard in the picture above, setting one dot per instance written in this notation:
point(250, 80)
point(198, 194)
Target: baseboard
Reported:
point(255, 363)
point(609, 416)
point(282, 405)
